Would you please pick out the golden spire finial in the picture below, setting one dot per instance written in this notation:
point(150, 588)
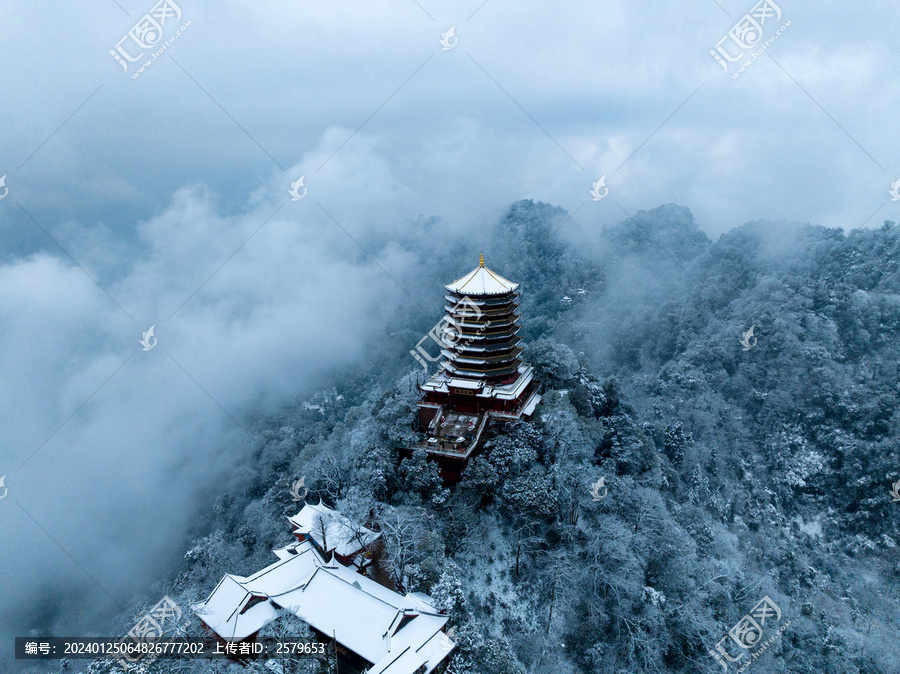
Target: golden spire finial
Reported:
point(481, 262)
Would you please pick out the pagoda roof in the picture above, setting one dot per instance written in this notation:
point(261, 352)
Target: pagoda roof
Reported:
point(482, 281)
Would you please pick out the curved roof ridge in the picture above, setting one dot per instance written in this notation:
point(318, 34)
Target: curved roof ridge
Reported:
point(499, 278)
point(482, 281)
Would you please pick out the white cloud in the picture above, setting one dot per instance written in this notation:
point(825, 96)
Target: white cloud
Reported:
point(151, 186)
point(118, 483)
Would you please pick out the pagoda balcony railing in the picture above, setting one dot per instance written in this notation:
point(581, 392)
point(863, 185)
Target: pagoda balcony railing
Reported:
point(464, 371)
point(482, 368)
point(488, 371)
point(463, 305)
point(487, 334)
point(469, 337)
point(509, 355)
point(483, 300)
point(484, 315)
point(481, 362)
point(462, 309)
point(485, 341)
point(473, 322)
point(484, 348)
point(469, 326)
point(477, 351)
point(466, 358)
point(476, 323)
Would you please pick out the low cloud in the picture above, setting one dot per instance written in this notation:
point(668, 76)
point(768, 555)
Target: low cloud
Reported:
point(119, 446)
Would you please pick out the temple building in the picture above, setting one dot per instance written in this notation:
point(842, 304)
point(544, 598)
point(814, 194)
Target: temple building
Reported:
point(333, 535)
point(481, 380)
point(373, 629)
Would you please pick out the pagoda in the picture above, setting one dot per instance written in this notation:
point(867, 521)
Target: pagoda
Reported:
point(482, 380)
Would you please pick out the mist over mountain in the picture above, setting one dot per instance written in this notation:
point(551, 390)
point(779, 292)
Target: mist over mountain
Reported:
point(731, 473)
point(225, 229)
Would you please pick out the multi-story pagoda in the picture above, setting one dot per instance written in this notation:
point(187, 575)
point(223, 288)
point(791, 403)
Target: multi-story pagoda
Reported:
point(481, 379)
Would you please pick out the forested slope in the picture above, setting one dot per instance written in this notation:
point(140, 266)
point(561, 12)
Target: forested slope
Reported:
point(731, 474)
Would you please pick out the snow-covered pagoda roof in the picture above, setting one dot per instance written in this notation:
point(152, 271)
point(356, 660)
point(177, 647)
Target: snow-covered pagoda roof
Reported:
point(397, 634)
point(482, 281)
point(341, 535)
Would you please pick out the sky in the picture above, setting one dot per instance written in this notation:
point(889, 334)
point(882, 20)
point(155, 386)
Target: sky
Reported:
point(163, 198)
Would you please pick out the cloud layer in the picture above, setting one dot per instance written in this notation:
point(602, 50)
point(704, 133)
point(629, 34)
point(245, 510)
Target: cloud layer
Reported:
point(108, 448)
point(529, 104)
point(168, 195)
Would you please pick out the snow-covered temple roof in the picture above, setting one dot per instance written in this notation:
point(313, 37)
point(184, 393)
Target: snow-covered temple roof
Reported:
point(397, 633)
point(482, 281)
point(231, 610)
point(341, 535)
point(367, 617)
